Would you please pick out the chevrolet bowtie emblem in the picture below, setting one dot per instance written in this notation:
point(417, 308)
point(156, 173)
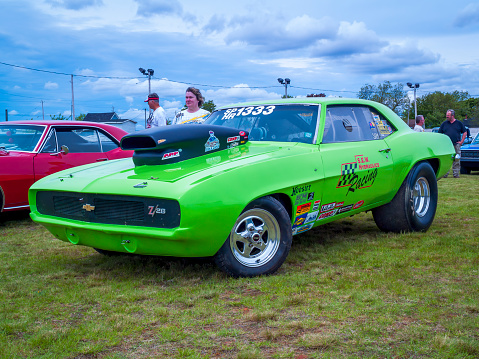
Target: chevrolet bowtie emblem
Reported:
point(88, 207)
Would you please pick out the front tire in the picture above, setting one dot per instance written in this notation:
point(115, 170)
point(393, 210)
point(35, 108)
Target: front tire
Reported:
point(414, 206)
point(259, 241)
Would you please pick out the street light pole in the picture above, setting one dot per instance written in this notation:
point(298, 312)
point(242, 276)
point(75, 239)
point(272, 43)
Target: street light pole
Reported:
point(415, 86)
point(148, 73)
point(285, 82)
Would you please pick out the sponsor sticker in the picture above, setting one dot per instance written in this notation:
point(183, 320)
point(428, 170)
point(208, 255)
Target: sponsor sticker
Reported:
point(327, 214)
point(302, 229)
point(316, 205)
point(301, 198)
point(358, 204)
point(300, 220)
point(213, 143)
point(304, 208)
point(169, 155)
point(300, 189)
point(339, 204)
point(311, 217)
point(327, 207)
point(345, 208)
point(233, 139)
point(310, 196)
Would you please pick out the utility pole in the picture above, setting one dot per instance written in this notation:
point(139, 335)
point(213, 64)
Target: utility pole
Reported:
point(6, 115)
point(285, 82)
point(73, 103)
point(415, 86)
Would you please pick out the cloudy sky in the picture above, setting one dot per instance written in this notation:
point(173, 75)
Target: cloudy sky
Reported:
point(231, 51)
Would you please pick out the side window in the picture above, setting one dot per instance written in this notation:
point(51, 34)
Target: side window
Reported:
point(347, 124)
point(79, 140)
point(50, 143)
point(107, 144)
point(380, 126)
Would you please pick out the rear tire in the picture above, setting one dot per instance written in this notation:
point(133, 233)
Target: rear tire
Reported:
point(414, 206)
point(259, 241)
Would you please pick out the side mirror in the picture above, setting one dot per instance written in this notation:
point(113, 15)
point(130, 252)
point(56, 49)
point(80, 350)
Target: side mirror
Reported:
point(64, 149)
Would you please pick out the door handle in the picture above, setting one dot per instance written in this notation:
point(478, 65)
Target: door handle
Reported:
point(387, 150)
point(101, 159)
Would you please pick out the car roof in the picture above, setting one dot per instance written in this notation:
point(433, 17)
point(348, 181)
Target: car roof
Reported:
point(115, 131)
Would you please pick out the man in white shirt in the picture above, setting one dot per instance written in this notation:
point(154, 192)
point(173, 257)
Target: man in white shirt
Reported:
point(419, 123)
point(193, 113)
point(158, 117)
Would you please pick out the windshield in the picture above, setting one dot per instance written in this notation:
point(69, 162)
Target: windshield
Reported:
point(20, 137)
point(476, 140)
point(285, 123)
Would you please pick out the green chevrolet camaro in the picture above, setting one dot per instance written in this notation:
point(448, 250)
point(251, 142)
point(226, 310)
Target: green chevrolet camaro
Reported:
point(241, 185)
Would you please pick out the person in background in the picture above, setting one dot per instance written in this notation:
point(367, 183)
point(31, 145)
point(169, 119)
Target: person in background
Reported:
point(193, 112)
point(419, 123)
point(158, 116)
point(456, 131)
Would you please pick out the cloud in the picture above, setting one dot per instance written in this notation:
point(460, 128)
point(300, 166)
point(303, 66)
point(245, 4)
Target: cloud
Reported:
point(51, 85)
point(272, 34)
point(239, 93)
point(351, 38)
point(13, 112)
point(159, 7)
point(75, 4)
point(468, 16)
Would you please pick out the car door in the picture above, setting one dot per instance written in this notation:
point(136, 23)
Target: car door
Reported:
point(357, 162)
point(83, 145)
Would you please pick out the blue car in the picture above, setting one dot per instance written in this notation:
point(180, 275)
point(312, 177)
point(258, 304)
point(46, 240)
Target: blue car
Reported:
point(470, 156)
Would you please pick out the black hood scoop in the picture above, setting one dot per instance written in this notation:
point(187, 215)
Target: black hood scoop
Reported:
point(171, 144)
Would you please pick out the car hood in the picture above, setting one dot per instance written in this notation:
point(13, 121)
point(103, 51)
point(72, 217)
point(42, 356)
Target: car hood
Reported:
point(470, 146)
point(122, 176)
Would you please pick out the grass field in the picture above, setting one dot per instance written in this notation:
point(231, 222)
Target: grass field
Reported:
point(346, 290)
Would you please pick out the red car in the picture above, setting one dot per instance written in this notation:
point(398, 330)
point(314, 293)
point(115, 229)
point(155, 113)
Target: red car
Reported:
point(30, 150)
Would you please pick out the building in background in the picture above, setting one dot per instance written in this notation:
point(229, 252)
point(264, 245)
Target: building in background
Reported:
point(111, 118)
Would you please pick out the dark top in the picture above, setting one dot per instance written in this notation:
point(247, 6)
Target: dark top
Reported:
point(453, 130)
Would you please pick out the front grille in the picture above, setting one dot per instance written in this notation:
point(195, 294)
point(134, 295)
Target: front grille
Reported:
point(110, 209)
point(469, 154)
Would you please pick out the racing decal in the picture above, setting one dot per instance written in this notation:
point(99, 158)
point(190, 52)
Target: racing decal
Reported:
point(345, 208)
point(311, 217)
point(300, 189)
point(171, 155)
point(327, 214)
point(301, 198)
point(213, 160)
point(304, 208)
point(304, 197)
point(233, 139)
point(161, 141)
point(358, 204)
point(232, 145)
point(300, 220)
point(152, 210)
point(328, 207)
point(352, 177)
point(316, 205)
point(339, 204)
point(213, 143)
point(246, 111)
point(302, 229)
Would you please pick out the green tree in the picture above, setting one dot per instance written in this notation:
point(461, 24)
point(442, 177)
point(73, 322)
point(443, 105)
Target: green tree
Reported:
point(59, 117)
point(81, 117)
point(393, 96)
point(434, 106)
point(209, 106)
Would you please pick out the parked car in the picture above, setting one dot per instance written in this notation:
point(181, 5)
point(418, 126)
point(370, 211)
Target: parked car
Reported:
point(30, 150)
point(470, 156)
point(239, 186)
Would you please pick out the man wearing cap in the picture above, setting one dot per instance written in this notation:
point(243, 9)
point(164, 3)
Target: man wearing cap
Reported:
point(158, 117)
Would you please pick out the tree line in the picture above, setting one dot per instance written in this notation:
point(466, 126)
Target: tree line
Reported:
point(432, 106)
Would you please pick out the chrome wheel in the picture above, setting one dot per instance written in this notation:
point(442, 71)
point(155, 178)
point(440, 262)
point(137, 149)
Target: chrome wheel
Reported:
point(421, 196)
point(255, 238)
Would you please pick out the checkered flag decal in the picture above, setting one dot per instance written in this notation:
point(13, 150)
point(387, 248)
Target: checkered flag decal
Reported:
point(347, 173)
